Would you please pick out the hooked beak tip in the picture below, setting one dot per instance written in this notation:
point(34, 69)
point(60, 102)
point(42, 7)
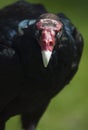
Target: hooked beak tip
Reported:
point(46, 55)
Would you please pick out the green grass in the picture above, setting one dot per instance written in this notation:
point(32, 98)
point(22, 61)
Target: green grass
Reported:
point(69, 109)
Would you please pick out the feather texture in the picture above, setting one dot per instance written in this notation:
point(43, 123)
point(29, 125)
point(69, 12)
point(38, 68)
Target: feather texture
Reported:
point(26, 86)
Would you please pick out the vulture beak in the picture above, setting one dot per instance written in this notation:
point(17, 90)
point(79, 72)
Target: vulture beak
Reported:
point(47, 43)
point(46, 54)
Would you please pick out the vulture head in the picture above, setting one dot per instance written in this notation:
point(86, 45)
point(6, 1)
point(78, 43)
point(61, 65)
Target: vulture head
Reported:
point(48, 29)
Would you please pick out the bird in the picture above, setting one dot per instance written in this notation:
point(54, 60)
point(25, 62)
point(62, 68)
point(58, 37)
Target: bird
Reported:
point(40, 53)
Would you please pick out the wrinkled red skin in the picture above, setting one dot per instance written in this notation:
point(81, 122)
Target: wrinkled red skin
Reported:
point(47, 38)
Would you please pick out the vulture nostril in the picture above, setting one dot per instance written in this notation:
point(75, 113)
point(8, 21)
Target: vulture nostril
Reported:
point(51, 43)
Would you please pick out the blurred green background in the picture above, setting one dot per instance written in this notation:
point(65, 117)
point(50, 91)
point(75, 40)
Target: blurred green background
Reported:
point(69, 109)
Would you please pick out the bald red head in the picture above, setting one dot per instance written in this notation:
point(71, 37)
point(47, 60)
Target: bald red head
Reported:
point(47, 39)
point(48, 28)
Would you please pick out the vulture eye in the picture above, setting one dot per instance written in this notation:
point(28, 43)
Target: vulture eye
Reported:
point(59, 34)
point(38, 34)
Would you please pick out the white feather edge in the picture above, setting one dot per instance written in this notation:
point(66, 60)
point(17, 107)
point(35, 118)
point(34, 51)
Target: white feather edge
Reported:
point(24, 24)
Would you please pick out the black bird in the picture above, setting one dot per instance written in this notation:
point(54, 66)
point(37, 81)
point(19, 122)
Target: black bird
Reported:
point(39, 54)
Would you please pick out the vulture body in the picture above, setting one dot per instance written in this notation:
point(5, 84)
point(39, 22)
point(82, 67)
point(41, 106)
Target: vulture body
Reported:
point(28, 79)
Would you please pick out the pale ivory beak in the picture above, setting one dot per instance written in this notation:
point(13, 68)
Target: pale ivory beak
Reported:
point(46, 54)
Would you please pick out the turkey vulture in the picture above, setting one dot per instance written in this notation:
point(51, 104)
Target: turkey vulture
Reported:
point(39, 55)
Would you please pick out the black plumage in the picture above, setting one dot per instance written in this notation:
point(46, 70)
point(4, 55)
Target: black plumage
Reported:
point(26, 86)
